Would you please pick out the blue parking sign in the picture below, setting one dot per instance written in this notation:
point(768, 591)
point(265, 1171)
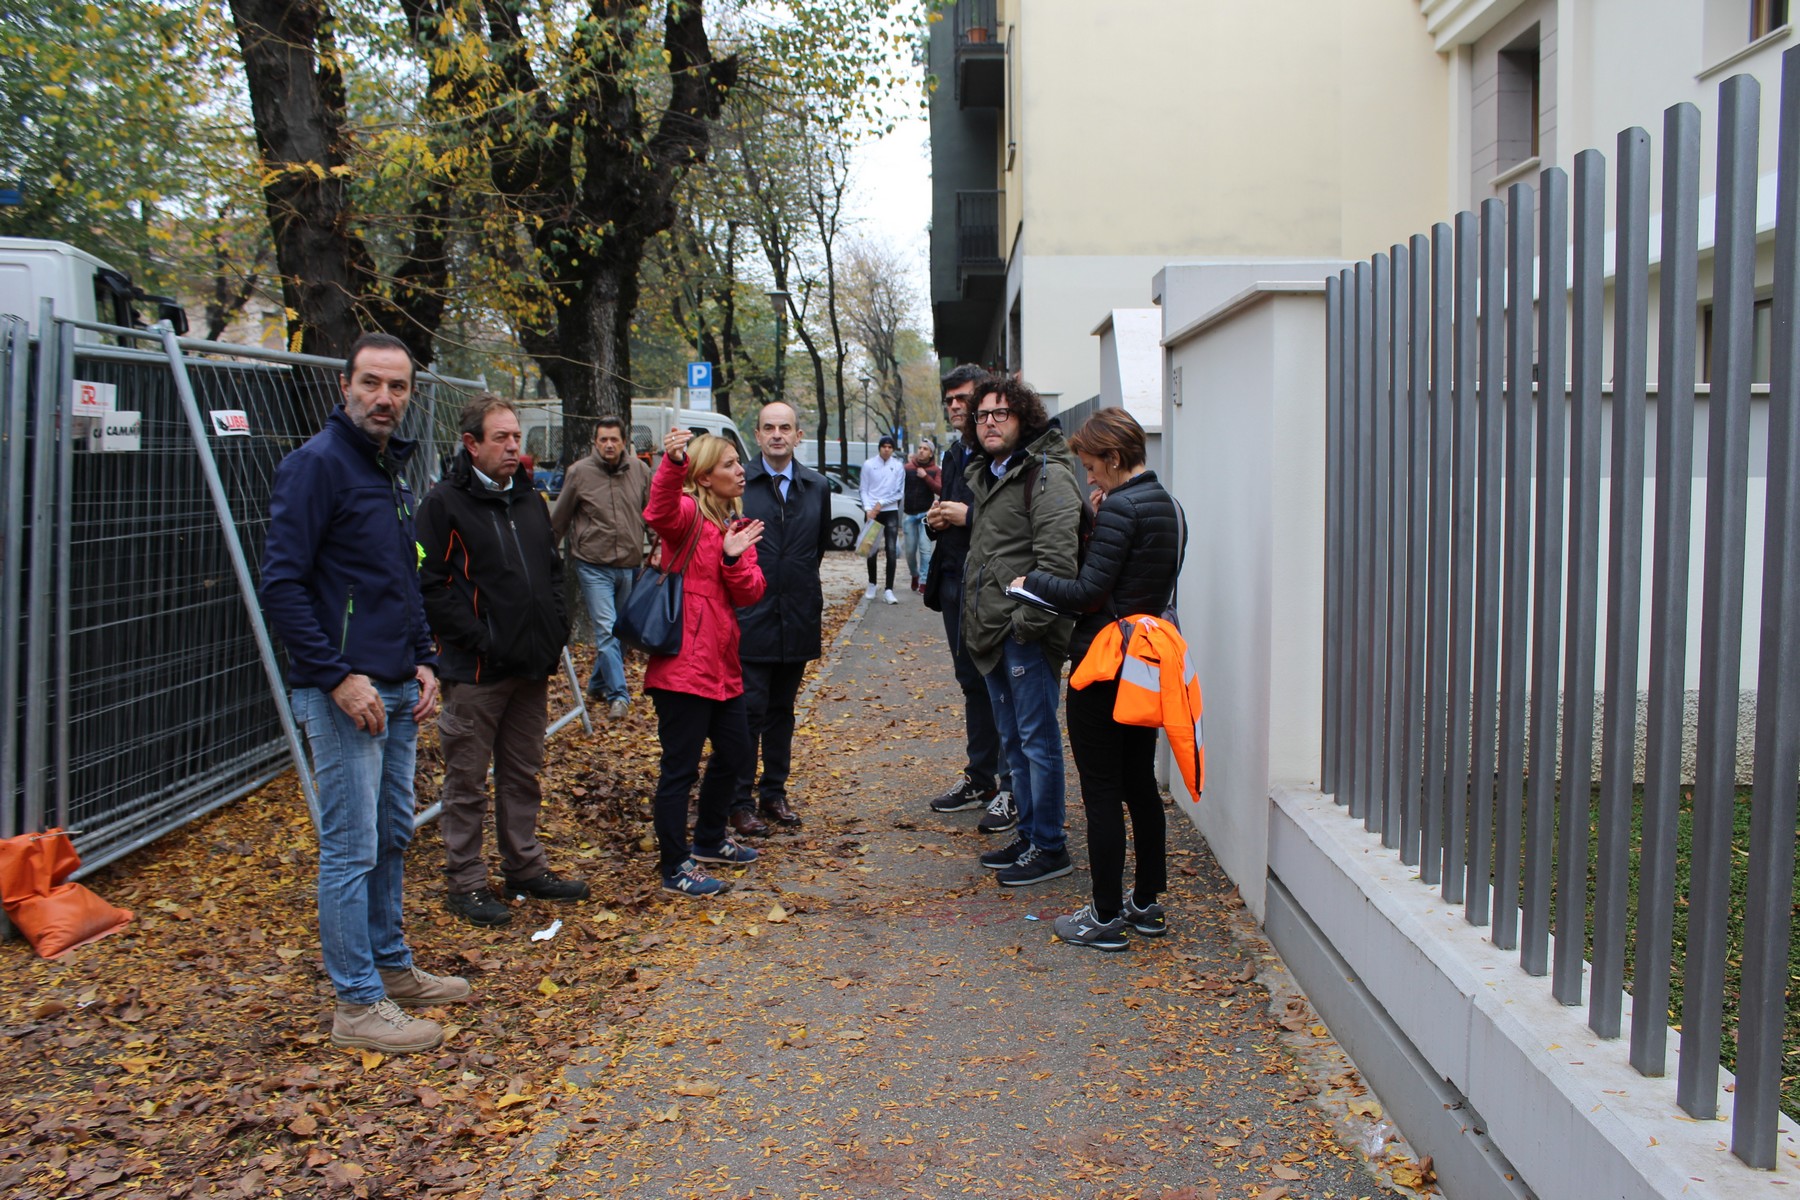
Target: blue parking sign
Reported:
point(700, 375)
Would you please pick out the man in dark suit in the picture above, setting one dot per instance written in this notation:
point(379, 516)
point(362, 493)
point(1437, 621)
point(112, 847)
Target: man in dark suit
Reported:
point(782, 632)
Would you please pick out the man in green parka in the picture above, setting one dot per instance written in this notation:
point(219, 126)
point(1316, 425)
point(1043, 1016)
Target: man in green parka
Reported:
point(1026, 516)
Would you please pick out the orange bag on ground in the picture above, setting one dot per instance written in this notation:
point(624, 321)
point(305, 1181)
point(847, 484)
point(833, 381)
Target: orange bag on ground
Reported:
point(54, 915)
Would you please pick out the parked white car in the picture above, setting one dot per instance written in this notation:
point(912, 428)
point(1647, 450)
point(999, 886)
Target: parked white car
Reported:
point(847, 517)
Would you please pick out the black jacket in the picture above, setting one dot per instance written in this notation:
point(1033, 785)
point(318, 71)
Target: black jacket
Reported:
point(953, 540)
point(1132, 559)
point(492, 579)
point(786, 624)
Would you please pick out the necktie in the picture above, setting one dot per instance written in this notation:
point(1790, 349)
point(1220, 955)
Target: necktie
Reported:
point(781, 487)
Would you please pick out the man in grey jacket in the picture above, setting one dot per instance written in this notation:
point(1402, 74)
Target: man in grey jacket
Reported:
point(601, 510)
point(1027, 516)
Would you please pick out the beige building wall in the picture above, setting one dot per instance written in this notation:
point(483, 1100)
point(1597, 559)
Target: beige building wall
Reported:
point(1139, 131)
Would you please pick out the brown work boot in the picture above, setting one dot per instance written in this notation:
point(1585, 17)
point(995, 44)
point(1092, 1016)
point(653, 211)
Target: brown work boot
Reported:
point(745, 823)
point(410, 987)
point(385, 1027)
point(781, 812)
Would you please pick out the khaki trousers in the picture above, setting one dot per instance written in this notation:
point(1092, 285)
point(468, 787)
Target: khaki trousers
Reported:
point(502, 723)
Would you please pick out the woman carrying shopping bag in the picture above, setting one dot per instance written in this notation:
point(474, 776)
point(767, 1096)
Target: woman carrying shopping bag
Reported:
point(1132, 560)
point(699, 689)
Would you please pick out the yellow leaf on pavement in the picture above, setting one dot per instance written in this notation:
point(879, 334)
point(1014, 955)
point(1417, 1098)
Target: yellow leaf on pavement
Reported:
point(547, 987)
point(510, 1099)
point(372, 1059)
point(777, 915)
point(696, 1087)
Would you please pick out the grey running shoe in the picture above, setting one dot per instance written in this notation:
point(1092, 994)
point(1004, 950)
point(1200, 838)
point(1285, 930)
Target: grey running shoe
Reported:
point(1002, 816)
point(961, 798)
point(1083, 928)
point(617, 709)
point(1005, 856)
point(1036, 866)
point(1149, 920)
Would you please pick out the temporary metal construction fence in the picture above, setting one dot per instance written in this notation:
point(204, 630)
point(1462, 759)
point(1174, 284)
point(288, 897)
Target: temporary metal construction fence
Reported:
point(1451, 631)
point(136, 672)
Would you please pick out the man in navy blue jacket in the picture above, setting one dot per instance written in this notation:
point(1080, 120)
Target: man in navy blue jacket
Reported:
point(340, 587)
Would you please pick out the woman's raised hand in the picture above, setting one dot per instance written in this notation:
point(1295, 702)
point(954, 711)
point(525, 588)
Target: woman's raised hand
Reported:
point(675, 443)
point(742, 534)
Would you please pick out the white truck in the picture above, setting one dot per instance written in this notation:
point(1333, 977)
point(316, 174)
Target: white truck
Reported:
point(78, 285)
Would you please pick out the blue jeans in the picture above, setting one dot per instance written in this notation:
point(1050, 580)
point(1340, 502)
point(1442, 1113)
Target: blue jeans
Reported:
point(365, 785)
point(918, 546)
point(1024, 689)
point(601, 588)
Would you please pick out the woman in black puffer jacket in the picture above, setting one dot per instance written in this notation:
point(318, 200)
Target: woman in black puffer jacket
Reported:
point(1132, 560)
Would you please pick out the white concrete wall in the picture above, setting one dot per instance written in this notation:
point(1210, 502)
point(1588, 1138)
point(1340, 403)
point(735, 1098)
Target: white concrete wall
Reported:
point(1246, 460)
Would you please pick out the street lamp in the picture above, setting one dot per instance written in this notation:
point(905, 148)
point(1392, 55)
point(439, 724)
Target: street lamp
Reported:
point(779, 299)
point(866, 381)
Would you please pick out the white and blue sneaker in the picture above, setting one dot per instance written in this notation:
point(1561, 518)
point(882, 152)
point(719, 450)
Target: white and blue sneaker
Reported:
point(734, 853)
point(690, 880)
point(1084, 928)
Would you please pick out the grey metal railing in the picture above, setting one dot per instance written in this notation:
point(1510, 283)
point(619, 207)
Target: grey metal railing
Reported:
point(135, 668)
point(1464, 665)
point(977, 21)
point(978, 231)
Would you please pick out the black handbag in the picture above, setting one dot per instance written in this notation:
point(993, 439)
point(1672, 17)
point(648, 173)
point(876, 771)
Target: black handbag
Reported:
point(649, 619)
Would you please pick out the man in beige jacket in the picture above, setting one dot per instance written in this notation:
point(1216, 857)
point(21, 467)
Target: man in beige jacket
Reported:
point(601, 510)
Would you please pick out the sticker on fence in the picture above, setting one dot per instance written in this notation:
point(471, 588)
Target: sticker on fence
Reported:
point(116, 433)
point(230, 422)
point(90, 399)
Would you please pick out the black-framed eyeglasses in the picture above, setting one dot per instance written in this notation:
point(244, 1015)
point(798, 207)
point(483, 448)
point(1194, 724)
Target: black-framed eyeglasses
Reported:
point(993, 416)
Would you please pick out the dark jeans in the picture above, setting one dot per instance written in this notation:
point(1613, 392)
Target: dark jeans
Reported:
point(500, 723)
point(770, 689)
point(1117, 767)
point(890, 537)
point(684, 722)
point(984, 767)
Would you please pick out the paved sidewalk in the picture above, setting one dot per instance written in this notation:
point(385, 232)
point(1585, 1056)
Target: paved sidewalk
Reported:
point(868, 1015)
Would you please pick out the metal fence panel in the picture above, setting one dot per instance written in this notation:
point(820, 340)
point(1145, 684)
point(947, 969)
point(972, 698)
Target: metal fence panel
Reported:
point(1334, 533)
point(15, 398)
point(1449, 578)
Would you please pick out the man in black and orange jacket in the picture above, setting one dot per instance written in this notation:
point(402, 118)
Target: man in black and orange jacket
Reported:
point(493, 587)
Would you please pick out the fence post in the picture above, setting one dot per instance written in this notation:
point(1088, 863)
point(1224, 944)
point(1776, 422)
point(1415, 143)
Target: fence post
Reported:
point(1769, 900)
point(1625, 569)
point(1669, 599)
point(38, 617)
point(1478, 867)
point(17, 386)
point(1722, 599)
point(240, 566)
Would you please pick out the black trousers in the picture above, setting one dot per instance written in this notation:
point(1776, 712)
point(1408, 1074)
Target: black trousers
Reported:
point(1117, 766)
point(890, 537)
point(684, 723)
point(770, 689)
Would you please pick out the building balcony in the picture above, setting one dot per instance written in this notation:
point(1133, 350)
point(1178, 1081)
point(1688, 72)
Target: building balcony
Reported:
point(980, 55)
point(980, 266)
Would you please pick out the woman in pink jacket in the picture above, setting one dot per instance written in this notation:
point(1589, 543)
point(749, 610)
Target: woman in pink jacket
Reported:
point(699, 690)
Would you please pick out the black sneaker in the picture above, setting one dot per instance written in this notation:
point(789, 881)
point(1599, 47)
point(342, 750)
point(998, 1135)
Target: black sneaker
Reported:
point(1002, 815)
point(1005, 856)
point(1036, 866)
point(479, 908)
point(548, 886)
point(1150, 920)
point(961, 798)
point(1084, 928)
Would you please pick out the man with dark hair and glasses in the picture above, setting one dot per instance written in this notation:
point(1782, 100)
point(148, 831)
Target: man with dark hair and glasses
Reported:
point(985, 781)
point(1026, 517)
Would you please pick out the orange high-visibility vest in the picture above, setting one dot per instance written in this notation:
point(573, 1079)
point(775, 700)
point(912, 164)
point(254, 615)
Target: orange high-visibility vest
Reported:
point(1157, 686)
